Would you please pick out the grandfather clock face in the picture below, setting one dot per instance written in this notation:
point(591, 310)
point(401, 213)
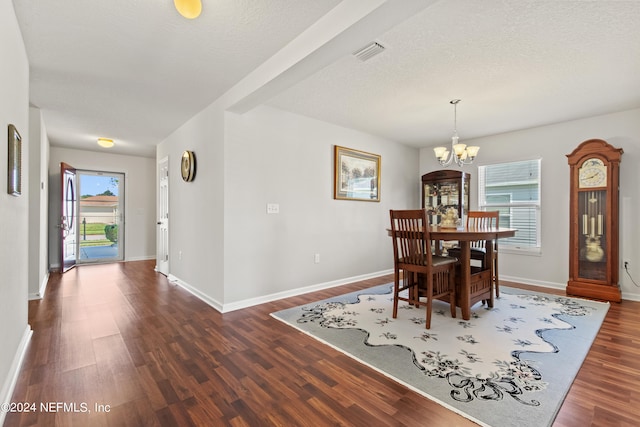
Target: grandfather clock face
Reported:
point(592, 173)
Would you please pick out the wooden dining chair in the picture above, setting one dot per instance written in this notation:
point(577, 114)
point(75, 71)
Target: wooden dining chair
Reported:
point(486, 219)
point(424, 275)
point(483, 220)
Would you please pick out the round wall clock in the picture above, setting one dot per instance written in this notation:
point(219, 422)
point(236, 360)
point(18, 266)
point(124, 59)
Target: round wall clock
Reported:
point(188, 166)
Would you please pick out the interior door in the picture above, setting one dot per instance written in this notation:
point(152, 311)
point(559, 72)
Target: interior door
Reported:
point(162, 251)
point(68, 217)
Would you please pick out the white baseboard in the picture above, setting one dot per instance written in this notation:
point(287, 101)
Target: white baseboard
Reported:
point(41, 291)
point(300, 291)
point(141, 258)
point(630, 296)
point(201, 295)
point(541, 283)
point(225, 308)
point(12, 376)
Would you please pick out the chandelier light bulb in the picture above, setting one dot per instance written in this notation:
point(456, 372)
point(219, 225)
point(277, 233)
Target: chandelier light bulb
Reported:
point(440, 152)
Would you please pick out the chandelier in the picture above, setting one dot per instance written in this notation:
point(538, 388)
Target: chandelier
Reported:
point(459, 153)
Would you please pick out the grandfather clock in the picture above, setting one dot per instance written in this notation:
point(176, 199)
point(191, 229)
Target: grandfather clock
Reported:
point(593, 218)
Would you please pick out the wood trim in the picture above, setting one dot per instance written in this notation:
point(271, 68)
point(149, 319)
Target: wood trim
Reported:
point(594, 290)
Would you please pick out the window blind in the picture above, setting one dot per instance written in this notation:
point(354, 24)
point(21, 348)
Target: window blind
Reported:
point(513, 189)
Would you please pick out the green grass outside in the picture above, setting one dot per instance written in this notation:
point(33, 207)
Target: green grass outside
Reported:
point(93, 228)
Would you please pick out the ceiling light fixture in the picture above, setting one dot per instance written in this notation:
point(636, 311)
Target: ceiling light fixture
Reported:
point(190, 9)
point(105, 143)
point(459, 153)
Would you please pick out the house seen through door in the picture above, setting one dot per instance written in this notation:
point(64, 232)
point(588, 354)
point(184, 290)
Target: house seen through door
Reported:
point(100, 219)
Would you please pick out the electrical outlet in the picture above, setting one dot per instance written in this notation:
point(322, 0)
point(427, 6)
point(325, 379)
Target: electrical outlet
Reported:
point(273, 208)
point(626, 264)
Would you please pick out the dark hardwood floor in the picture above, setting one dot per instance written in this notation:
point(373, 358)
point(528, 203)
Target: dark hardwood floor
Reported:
point(121, 336)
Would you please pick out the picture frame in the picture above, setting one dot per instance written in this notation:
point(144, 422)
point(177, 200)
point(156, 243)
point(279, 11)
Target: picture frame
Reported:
point(14, 178)
point(356, 175)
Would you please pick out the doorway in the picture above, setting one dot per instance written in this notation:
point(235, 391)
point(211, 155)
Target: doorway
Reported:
point(100, 219)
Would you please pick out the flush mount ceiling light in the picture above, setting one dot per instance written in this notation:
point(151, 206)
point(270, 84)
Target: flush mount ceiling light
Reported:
point(459, 153)
point(105, 143)
point(190, 9)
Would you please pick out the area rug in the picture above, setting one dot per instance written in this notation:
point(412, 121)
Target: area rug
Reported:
point(511, 365)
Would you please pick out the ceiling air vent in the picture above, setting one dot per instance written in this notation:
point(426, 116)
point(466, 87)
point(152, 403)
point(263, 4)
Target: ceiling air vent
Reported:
point(369, 51)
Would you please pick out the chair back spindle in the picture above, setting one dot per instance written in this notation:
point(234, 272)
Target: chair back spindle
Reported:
point(482, 220)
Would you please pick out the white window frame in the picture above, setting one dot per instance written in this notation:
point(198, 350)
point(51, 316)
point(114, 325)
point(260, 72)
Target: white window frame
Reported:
point(504, 246)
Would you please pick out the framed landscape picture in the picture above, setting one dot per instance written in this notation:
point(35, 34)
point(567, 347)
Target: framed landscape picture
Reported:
point(357, 175)
point(14, 179)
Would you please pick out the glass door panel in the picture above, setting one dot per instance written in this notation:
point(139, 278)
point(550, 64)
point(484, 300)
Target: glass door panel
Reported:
point(68, 217)
point(100, 216)
point(592, 257)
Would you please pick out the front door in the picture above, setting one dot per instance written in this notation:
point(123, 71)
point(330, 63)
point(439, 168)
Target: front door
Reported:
point(68, 217)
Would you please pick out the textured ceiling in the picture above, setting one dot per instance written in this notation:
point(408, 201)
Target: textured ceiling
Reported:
point(514, 64)
point(134, 71)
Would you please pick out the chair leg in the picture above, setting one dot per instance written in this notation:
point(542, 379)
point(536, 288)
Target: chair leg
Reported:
point(396, 286)
point(411, 284)
point(488, 264)
point(490, 300)
point(452, 295)
point(429, 301)
point(495, 275)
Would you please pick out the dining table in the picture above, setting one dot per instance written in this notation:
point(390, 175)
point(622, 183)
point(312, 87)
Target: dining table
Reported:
point(473, 286)
point(468, 293)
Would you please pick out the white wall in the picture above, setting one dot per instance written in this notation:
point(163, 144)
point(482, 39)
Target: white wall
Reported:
point(551, 144)
point(196, 209)
point(14, 214)
point(140, 198)
point(223, 245)
point(277, 157)
point(38, 204)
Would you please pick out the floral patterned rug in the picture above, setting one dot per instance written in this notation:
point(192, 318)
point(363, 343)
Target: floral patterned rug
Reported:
point(511, 365)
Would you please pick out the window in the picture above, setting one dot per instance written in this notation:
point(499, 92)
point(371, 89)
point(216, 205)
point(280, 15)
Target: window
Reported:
point(513, 189)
